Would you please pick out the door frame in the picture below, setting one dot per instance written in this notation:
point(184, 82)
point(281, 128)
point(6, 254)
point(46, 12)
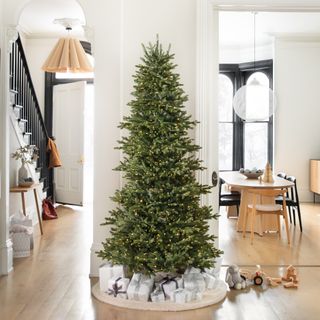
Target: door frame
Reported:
point(206, 109)
point(50, 81)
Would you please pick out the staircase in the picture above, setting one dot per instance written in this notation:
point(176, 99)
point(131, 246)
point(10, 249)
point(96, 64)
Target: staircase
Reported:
point(27, 112)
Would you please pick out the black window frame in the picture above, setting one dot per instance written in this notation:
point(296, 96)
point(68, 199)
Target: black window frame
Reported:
point(239, 74)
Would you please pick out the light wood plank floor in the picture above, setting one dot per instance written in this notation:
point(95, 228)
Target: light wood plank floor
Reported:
point(53, 283)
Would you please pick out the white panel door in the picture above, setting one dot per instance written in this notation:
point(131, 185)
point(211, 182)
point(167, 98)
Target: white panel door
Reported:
point(68, 129)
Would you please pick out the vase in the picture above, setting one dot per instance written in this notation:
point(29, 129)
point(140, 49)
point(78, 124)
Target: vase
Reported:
point(22, 174)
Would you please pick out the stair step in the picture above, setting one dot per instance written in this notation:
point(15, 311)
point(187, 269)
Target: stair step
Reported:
point(43, 179)
point(22, 120)
point(45, 189)
point(27, 133)
point(17, 106)
point(14, 91)
point(38, 169)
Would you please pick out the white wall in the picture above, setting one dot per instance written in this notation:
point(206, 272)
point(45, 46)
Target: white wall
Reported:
point(296, 80)
point(37, 51)
point(240, 55)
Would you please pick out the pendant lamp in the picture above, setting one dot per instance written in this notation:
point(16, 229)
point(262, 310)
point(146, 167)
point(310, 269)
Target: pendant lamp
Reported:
point(254, 101)
point(68, 54)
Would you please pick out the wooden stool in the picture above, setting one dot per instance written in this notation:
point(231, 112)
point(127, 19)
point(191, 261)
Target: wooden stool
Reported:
point(22, 190)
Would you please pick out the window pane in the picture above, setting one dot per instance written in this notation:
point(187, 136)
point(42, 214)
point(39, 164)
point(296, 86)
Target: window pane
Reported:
point(225, 98)
point(256, 145)
point(225, 146)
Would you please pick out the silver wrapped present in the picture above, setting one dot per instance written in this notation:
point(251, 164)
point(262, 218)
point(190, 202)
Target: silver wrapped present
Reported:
point(215, 271)
point(179, 296)
point(140, 287)
point(117, 286)
point(158, 295)
point(169, 285)
point(192, 270)
point(106, 272)
point(194, 281)
point(193, 295)
point(209, 279)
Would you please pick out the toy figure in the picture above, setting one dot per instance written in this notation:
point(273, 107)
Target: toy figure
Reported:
point(234, 279)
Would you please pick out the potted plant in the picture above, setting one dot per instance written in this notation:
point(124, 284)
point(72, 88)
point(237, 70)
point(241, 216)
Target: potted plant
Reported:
point(27, 154)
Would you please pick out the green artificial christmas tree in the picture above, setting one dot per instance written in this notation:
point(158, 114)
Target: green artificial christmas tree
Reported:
point(159, 225)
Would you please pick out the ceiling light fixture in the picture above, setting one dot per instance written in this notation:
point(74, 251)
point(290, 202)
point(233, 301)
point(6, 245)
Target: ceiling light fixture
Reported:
point(254, 101)
point(68, 54)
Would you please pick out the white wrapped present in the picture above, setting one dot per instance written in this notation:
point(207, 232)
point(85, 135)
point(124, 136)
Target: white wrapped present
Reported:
point(158, 295)
point(192, 270)
point(193, 295)
point(179, 296)
point(169, 285)
point(106, 272)
point(215, 271)
point(194, 281)
point(209, 279)
point(140, 287)
point(117, 286)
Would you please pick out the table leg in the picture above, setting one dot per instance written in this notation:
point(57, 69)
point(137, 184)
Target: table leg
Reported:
point(38, 210)
point(23, 204)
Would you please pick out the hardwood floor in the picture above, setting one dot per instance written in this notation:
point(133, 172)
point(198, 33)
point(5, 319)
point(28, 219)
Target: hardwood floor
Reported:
point(53, 282)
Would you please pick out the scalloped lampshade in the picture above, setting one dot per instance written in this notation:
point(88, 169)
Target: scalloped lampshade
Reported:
point(68, 55)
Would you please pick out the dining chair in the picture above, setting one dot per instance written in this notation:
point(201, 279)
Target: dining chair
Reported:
point(230, 198)
point(293, 201)
point(268, 209)
point(282, 175)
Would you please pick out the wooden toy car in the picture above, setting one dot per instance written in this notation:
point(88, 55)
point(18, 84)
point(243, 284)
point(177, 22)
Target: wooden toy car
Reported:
point(255, 276)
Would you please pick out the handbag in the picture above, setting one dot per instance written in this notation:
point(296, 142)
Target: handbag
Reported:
point(48, 210)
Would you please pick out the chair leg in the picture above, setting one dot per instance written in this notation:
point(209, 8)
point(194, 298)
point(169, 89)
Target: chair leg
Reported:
point(290, 214)
point(279, 225)
point(237, 211)
point(294, 215)
point(253, 217)
point(285, 216)
point(299, 216)
point(244, 226)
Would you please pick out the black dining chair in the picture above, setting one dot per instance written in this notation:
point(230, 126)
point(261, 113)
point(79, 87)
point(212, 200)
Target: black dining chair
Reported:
point(292, 201)
point(228, 199)
point(282, 175)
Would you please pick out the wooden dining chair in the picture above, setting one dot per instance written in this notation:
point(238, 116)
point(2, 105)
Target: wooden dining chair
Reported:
point(259, 209)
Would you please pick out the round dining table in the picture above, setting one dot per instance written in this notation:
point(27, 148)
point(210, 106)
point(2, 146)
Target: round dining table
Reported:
point(236, 180)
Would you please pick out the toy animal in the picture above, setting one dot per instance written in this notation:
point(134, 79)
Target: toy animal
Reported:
point(234, 279)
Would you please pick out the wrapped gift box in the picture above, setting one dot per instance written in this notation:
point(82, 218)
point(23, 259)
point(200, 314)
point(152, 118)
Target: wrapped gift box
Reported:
point(158, 295)
point(194, 281)
point(117, 286)
point(106, 272)
point(179, 296)
point(209, 279)
point(169, 285)
point(140, 287)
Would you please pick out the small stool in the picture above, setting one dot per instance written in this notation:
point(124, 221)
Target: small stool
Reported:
point(22, 190)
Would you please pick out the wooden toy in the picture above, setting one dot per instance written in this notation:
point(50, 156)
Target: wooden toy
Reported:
point(273, 282)
point(291, 275)
point(268, 176)
point(256, 276)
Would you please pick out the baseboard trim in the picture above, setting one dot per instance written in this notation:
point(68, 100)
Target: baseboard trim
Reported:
point(6, 258)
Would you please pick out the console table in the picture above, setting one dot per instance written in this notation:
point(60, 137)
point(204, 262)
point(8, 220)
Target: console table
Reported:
point(22, 191)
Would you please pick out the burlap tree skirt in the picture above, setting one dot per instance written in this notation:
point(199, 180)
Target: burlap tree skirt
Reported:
point(210, 297)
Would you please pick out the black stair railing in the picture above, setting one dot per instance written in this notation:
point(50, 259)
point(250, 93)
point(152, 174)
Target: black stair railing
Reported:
point(26, 107)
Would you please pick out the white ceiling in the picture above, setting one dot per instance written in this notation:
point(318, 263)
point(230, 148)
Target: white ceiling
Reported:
point(37, 18)
point(236, 28)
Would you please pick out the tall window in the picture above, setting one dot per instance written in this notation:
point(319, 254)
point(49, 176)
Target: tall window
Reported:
point(243, 143)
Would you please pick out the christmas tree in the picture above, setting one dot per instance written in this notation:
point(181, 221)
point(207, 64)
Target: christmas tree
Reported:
point(159, 225)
